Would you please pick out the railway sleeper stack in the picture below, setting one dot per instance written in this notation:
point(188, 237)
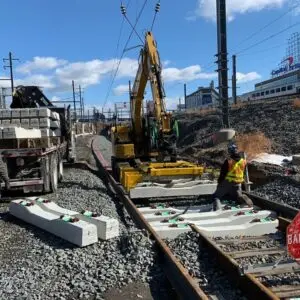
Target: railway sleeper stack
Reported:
point(29, 128)
point(81, 229)
point(231, 221)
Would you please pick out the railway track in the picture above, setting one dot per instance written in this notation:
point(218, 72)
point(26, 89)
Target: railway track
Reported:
point(259, 272)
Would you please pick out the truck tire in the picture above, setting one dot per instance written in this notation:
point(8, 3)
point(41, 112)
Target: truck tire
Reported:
point(45, 173)
point(53, 172)
point(60, 170)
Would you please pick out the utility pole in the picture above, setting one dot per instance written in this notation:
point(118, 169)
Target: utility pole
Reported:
point(222, 60)
point(80, 99)
point(234, 79)
point(185, 96)
point(10, 66)
point(74, 99)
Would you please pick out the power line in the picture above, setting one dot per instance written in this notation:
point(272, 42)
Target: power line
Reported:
point(269, 37)
point(267, 25)
point(264, 50)
point(123, 52)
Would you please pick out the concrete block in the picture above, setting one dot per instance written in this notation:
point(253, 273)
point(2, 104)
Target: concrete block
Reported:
point(16, 113)
point(33, 112)
point(235, 219)
point(248, 229)
point(55, 116)
point(20, 133)
point(79, 232)
point(55, 124)
point(296, 160)
point(156, 191)
point(34, 123)
point(44, 112)
point(1, 134)
point(5, 122)
point(6, 113)
point(16, 122)
point(45, 122)
point(46, 132)
point(107, 228)
point(25, 123)
point(25, 113)
point(57, 132)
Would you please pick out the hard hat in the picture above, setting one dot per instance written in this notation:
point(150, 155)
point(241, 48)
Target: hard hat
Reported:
point(232, 148)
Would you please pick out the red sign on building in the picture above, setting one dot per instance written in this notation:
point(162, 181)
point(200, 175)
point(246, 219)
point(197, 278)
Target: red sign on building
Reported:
point(293, 238)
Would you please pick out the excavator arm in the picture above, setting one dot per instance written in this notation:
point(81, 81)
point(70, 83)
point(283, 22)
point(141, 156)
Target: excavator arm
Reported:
point(157, 130)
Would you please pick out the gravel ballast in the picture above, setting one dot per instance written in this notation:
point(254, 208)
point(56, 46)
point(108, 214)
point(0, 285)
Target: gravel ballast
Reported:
point(281, 190)
point(38, 265)
point(203, 266)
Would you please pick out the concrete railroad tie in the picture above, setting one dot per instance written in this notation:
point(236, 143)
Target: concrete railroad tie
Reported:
point(80, 229)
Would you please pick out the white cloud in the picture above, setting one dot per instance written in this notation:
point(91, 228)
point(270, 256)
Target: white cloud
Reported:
point(55, 99)
point(186, 74)
point(207, 8)
point(121, 90)
point(40, 64)
point(251, 76)
point(92, 72)
point(40, 80)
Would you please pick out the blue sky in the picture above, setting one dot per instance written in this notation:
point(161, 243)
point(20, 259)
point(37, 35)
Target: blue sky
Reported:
point(57, 41)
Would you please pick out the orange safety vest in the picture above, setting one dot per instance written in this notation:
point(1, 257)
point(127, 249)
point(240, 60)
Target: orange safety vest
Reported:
point(236, 170)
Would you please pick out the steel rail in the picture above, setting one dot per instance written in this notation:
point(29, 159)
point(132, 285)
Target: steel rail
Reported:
point(179, 277)
point(283, 210)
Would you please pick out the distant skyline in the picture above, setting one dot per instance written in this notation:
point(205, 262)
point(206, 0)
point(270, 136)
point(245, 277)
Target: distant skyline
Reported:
point(61, 41)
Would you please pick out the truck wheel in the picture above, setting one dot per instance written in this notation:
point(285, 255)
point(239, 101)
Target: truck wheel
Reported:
point(45, 174)
point(53, 173)
point(60, 170)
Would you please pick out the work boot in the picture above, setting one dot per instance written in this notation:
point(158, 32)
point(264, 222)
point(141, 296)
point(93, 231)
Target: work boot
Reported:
point(217, 205)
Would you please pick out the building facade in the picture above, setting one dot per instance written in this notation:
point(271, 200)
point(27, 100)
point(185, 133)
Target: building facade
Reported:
point(202, 98)
point(285, 80)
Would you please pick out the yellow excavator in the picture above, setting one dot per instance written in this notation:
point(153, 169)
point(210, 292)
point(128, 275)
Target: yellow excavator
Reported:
point(144, 158)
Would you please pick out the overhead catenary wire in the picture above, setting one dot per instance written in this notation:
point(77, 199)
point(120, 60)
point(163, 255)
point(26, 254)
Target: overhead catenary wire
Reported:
point(123, 52)
point(123, 10)
point(267, 25)
point(268, 38)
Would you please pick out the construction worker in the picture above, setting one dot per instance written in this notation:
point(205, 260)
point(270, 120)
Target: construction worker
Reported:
point(231, 179)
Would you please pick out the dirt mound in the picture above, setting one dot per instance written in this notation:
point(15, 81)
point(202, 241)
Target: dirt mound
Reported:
point(278, 121)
